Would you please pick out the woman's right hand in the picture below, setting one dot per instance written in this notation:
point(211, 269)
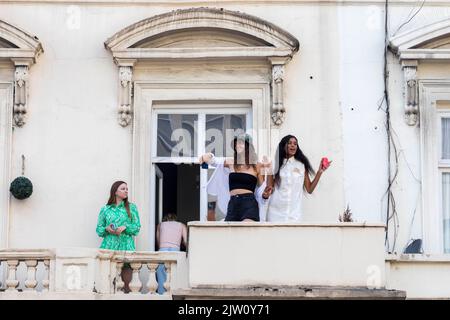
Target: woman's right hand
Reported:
point(111, 231)
point(267, 192)
point(206, 157)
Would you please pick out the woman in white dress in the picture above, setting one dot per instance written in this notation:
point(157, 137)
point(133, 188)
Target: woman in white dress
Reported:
point(292, 175)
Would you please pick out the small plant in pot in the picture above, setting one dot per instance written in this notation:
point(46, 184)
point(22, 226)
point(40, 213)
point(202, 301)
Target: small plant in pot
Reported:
point(346, 216)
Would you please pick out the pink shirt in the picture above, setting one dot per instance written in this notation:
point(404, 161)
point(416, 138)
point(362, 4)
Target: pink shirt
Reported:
point(170, 234)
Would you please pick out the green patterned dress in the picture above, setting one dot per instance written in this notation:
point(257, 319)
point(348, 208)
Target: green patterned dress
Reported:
point(119, 216)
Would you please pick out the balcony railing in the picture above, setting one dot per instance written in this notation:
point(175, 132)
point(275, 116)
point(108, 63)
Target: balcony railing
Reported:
point(144, 265)
point(226, 260)
point(87, 273)
point(12, 262)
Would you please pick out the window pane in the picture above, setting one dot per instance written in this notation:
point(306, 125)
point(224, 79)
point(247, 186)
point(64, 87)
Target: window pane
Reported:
point(446, 210)
point(180, 191)
point(177, 135)
point(445, 138)
point(220, 130)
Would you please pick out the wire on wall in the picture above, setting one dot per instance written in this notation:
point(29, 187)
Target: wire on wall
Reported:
point(409, 18)
point(391, 210)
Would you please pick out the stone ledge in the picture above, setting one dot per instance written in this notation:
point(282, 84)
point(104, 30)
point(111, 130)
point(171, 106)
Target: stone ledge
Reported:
point(288, 293)
point(216, 224)
point(266, 2)
point(418, 257)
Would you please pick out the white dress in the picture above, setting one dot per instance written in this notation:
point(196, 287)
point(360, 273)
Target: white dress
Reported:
point(285, 204)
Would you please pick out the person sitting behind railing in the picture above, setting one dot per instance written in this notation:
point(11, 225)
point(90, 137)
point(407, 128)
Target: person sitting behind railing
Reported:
point(170, 234)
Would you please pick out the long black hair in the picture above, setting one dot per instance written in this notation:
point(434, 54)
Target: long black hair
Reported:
point(281, 155)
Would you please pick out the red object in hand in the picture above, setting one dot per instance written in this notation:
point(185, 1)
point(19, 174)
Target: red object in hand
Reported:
point(325, 163)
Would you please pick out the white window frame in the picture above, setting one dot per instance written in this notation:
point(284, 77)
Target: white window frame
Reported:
point(443, 165)
point(201, 113)
point(206, 109)
point(5, 158)
point(147, 95)
point(431, 92)
point(442, 114)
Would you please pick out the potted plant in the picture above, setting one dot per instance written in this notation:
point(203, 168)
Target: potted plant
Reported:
point(346, 216)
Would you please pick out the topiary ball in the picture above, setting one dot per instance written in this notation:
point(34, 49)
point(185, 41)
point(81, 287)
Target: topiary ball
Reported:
point(21, 188)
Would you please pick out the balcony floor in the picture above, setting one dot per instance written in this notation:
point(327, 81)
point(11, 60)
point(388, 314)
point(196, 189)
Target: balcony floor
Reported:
point(287, 293)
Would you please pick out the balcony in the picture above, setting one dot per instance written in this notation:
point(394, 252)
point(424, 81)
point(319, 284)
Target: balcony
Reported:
point(83, 273)
point(286, 261)
point(224, 260)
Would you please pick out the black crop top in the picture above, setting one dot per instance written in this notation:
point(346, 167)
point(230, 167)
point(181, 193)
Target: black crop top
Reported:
point(241, 180)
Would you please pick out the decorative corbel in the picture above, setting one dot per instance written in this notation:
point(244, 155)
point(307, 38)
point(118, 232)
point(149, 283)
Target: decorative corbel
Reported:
point(278, 110)
point(125, 91)
point(20, 91)
point(411, 91)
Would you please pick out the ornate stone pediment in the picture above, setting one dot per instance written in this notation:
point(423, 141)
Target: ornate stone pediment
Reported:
point(17, 44)
point(187, 33)
point(200, 33)
point(431, 42)
point(22, 49)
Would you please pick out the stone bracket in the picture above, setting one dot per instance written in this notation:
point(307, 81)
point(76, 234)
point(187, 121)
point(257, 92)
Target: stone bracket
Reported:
point(125, 90)
point(411, 91)
point(21, 79)
point(278, 110)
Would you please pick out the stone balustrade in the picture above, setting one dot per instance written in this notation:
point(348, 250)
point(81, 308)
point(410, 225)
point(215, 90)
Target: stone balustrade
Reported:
point(144, 266)
point(85, 273)
point(10, 261)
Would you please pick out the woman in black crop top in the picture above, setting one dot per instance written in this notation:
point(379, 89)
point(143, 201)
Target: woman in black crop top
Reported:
point(246, 173)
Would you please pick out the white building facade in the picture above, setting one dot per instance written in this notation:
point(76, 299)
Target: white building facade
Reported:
point(90, 92)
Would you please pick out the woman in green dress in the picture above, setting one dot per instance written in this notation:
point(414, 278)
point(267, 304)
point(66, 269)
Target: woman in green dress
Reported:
point(118, 222)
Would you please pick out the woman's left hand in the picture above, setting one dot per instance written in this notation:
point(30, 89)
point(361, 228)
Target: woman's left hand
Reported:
point(120, 229)
point(323, 168)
